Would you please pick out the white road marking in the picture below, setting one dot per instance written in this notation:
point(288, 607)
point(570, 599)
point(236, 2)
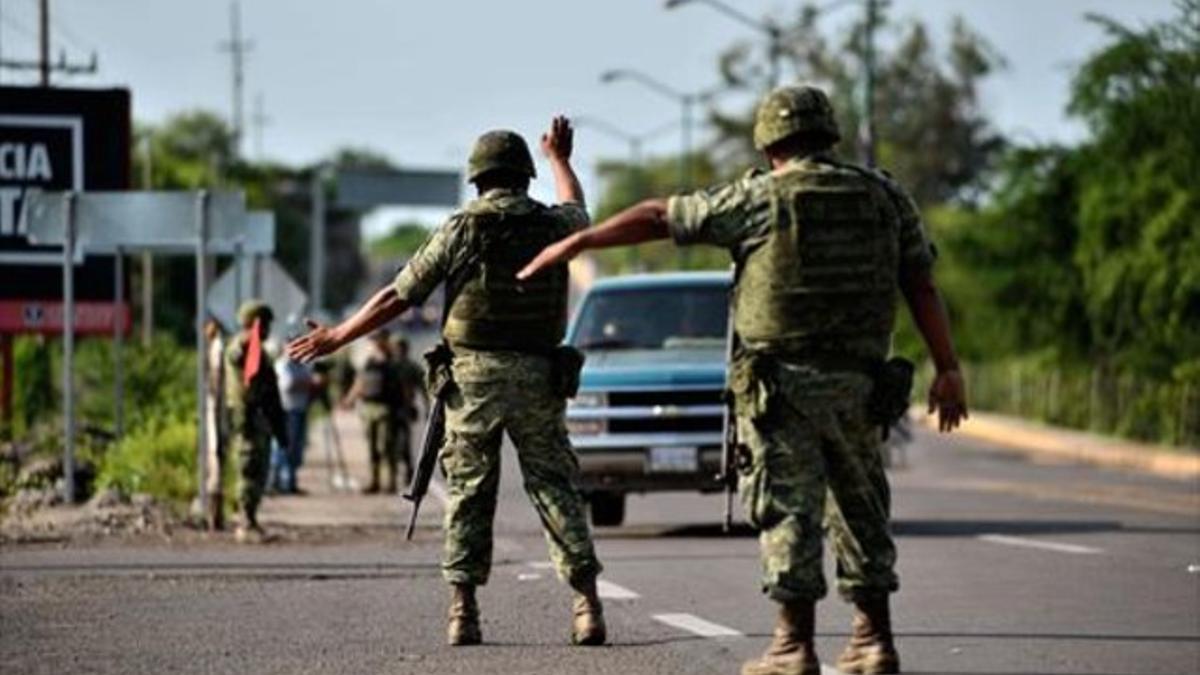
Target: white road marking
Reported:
point(541, 564)
point(1036, 543)
point(1193, 569)
point(611, 591)
point(694, 624)
point(528, 576)
point(826, 670)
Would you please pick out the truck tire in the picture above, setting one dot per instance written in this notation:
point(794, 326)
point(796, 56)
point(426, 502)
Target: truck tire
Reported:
point(608, 508)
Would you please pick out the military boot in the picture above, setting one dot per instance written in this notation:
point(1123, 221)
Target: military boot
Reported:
point(872, 650)
point(216, 512)
point(463, 628)
point(587, 624)
point(792, 651)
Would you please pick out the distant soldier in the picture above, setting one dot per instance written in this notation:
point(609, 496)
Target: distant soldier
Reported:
point(411, 387)
point(822, 249)
point(500, 369)
point(255, 410)
point(376, 393)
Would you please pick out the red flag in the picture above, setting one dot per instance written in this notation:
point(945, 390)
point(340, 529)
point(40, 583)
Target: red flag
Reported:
point(253, 354)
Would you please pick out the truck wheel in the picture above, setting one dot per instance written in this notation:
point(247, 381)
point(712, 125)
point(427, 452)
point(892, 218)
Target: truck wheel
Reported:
point(608, 508)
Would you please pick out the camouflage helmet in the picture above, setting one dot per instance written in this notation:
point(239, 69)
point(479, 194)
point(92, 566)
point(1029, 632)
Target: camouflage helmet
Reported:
point(500, 149)
point(792, 110)
point(253, 309)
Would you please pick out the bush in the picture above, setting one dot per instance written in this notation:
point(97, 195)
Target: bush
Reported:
point(158, 458)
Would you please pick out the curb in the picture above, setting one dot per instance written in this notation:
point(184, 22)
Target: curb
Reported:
point(1045, 442)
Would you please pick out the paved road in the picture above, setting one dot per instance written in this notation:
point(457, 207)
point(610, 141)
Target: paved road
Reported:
point(1006, 567)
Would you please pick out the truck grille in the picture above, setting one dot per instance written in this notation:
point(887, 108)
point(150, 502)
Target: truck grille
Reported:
point(661, 424)
point(652, 398)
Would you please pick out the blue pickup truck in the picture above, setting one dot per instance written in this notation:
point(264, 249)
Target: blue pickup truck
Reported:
point(649, 410)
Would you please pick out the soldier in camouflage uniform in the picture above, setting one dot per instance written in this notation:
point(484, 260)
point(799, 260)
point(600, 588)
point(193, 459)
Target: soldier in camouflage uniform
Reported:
point(500, 369)
point(822, 250)
point(411, 387)
point(255, 411)
point(376, 389)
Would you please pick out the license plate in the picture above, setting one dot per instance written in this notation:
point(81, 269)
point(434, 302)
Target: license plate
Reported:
point(674, 459)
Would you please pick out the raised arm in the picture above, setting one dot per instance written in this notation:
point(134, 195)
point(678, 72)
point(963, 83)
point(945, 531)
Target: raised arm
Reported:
point(557, 144)
point(947, 394)
point(643, 222)
point(321, 340)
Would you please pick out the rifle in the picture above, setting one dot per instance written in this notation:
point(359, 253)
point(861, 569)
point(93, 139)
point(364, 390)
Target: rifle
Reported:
point(431, 446)
point(729, 437)
point(435, 426)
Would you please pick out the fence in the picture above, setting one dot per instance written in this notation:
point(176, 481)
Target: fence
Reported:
point(1093, 399)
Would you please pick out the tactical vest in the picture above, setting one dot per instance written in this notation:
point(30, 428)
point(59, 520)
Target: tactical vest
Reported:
point(492, 311)
point(825, 280)
point(376, 381)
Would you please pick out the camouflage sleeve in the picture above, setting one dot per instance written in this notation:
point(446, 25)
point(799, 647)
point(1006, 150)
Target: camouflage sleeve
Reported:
point(916, 252)
point(431, 264)
point(728, 215)
point(573, 215)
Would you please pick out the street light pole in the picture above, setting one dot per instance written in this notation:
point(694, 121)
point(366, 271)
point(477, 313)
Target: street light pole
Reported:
point(867, 125)
point(773, 32)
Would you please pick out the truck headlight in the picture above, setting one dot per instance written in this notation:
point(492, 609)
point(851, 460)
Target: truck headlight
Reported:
point(589, 399)
point(586, 427)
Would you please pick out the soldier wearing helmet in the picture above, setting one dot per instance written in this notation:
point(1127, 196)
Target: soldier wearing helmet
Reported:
point(501, 360)
point(822, 248)
point(255, 412)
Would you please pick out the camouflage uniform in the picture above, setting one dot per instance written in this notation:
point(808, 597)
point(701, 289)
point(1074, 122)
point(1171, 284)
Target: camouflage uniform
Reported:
point(410, 383)
point(378, 416)
point(813, 456)
point(497, 391)
point(256, 414)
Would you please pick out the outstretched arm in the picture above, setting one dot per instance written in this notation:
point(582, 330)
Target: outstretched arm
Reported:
point(557, 144)
point(643, 222)
point(948, 393)
point(321, 340)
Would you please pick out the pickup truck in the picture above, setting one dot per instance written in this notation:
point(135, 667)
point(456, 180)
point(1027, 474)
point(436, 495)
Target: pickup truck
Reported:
point(648, 414)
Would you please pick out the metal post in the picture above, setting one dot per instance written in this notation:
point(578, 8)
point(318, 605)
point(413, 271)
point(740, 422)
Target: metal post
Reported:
point(68, 366)
point(867, 124)
point(44, 41)
point(685, 162)
point(775, 38)
point(239, 267)
point(118, 344)
point(147, 257)
point(316, 248)
point(202, 224)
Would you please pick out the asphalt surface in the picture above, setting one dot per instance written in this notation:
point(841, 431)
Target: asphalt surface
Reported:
point(1006, 567)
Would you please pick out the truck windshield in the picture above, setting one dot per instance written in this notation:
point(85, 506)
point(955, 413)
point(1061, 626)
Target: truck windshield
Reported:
point(655, 318)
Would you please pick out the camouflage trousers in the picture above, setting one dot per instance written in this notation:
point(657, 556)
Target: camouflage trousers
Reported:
point(497, 393)
point(252, 448)
point(380, 425)
point(815, 463)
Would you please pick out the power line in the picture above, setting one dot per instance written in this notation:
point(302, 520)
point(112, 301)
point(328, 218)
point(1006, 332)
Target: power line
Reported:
point(44, 65)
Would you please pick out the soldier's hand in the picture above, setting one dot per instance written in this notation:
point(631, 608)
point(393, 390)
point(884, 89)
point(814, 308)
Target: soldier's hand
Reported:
point(317, 342)
point(558, 142)
point(557, 253)
point(948, 395)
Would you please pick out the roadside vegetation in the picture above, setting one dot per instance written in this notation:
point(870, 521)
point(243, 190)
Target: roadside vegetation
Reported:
point(1072, 272)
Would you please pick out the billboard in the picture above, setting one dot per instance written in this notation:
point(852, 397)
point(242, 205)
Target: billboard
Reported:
point(58, 139)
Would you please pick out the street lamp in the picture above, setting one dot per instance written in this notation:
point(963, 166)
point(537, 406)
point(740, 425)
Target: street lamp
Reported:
point(773, 32)
point(866, 130)
point(634, 141)
point(686, 101)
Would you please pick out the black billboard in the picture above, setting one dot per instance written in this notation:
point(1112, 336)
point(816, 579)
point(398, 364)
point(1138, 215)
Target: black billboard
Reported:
point(57, 139)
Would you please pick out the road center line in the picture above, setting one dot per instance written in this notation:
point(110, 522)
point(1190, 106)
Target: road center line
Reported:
point(694, 624)
point(1043, 545)
point(611, 591)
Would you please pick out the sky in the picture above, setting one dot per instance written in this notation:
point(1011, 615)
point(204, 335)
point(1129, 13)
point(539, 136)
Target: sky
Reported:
point(419, 81)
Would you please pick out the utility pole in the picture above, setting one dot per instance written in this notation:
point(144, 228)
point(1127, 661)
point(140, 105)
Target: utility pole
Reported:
point(259, 120)
point(237, 48)
point(43, 65)
point(866, 130)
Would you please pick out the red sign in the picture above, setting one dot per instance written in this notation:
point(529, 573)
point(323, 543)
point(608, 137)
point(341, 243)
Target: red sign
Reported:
point(46, 317)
